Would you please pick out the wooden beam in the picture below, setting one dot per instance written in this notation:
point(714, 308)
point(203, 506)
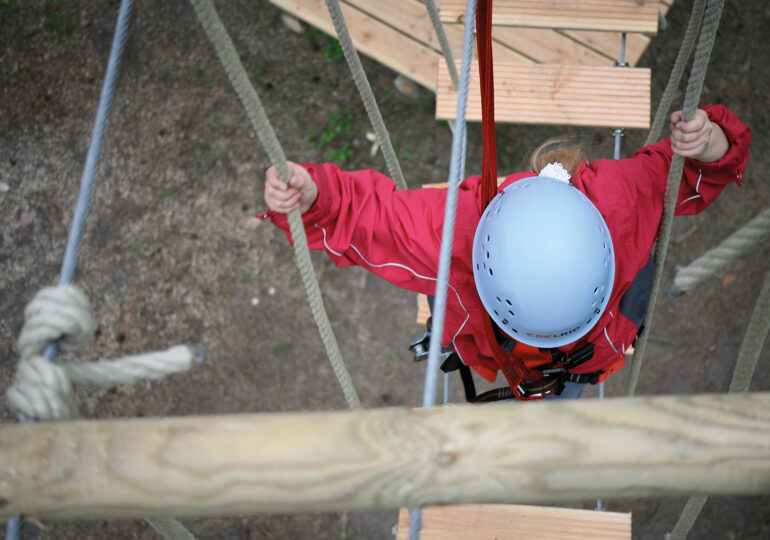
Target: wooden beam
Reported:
point(299, 462)
point(604, 15)
point(516, 522)
point(559, 95)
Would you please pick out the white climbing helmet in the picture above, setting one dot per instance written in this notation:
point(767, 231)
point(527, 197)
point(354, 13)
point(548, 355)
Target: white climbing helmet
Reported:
point(543, 262)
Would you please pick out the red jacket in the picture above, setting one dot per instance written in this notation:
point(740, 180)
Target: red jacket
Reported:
point(360, 219)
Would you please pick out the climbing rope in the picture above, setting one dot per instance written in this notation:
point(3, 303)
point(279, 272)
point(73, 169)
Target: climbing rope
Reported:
point(718, 258)
point(755, 336)
point(756, 333)
point(228, 56)
point(694, 87)
point(685, 50)
point(362, 83)
point(446, 49)
point(170, 528)
point(456, 168)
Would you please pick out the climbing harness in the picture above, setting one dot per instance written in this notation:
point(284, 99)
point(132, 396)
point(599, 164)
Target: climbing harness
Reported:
point(531, 372)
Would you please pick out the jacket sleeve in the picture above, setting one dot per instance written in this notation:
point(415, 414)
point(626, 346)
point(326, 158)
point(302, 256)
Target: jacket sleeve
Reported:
point(630, 192)
point(703, 182)
point(360, 219)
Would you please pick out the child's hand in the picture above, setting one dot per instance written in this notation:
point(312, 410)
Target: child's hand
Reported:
point(698, 139)
point(300, 193)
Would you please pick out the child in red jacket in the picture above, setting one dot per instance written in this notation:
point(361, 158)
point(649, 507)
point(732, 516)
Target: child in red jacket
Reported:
point(550, 283)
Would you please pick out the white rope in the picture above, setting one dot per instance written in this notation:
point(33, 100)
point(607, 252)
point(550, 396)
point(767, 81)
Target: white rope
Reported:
point(130, 369)
point(43, 390)
point(62, 312)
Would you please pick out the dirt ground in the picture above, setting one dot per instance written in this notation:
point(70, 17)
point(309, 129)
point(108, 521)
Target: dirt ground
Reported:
point(171, 256)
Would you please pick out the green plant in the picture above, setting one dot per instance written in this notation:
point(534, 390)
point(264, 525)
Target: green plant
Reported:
point(282, 350)
point(401, 152)
point(57, 22)
point(329, 46)
point(338, 125)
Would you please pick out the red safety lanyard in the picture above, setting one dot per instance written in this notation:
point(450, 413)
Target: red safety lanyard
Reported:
point(513, 366)
point(486, 81)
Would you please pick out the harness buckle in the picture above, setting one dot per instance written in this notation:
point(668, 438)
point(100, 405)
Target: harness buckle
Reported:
point(420, 347)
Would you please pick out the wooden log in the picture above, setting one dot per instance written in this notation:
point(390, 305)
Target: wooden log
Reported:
point(604, 15)
point(299, 462)
point(516, 522)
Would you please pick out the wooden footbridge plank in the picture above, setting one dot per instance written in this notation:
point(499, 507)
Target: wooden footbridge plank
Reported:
point(605, 15)
point(516, 522)
point(559, 95)
point(399, 35)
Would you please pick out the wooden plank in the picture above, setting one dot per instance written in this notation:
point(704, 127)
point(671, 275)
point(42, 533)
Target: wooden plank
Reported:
point(516, 522)
point(538, 453)
point(411, 18)
point(423, 309)
point(548, 47)
point(604, 15)
point(372, 38)
point(558, 95)
point(608, 43)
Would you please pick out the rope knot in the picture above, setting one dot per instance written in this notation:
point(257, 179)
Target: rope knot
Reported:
point(60, 313)
point(41, 390)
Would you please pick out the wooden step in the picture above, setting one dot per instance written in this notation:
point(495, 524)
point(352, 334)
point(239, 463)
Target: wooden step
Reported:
point(516, 522)
point(556, 95)
point(604, 15)
point(398, 34)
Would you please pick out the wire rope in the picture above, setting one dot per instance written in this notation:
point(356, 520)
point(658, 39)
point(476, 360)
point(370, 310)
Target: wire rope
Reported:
point(456, 168)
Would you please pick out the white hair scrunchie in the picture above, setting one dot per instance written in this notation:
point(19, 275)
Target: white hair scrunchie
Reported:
point(556, 171)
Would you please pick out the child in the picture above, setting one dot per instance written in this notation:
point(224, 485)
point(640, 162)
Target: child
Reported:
point(550, 285)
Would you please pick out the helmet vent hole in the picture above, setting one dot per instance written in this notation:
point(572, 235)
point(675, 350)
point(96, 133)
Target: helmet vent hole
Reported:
point(606, 260)
point(490, 272)
point(505, 321)
point(596, 290)
point(487, 238)
point(477, 266)
point(487, 255)
point(512, 313)
point(508, 302)
point(512, 328)
point(496, 313)
point(498, 299)
point(605, 245)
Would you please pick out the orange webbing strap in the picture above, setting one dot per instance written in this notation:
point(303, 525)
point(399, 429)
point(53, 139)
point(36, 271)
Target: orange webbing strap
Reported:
point(513, 367)
point(486, 81)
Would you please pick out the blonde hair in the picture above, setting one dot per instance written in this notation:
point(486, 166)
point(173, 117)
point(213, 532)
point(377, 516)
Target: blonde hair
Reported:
point(568, 151)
